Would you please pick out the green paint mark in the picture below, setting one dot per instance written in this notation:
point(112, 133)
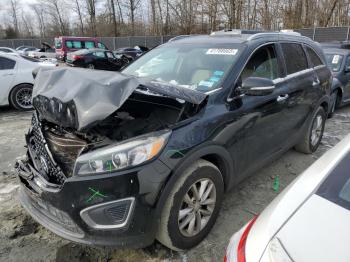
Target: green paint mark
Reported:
point(95, 193)
point(276, 183)
point(110, 166)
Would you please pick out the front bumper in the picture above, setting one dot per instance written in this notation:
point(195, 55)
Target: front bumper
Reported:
point(64, 209)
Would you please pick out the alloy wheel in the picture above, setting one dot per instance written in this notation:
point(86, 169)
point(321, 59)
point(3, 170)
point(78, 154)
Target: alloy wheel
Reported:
point(24, 97)
point(316, 130)
point(197, 207)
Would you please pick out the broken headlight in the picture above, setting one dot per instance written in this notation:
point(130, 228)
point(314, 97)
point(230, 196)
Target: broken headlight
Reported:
point(129, 153)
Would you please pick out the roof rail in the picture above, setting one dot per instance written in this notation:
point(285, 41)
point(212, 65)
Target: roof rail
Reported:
point(234, 32)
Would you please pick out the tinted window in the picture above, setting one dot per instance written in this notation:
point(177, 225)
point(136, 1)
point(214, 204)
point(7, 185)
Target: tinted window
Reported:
point(315, 59)
point(89, 44)
point(262, 64)
point(336, 188)
point(295, 57)
point(334, 61)
point(6, 63)
point(74, 44)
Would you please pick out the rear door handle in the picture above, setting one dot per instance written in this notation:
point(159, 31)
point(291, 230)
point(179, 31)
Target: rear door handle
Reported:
point(9, 74)
point(282, 97)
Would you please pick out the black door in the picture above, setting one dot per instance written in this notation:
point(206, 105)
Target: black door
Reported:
point(258, 127)
point(304, 88)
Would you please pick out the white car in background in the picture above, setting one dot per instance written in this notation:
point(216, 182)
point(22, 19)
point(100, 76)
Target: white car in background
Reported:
point(308, 222)
point(16, 80)
point(8, 50)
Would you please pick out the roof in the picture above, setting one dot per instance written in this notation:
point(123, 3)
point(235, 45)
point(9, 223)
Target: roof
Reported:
point(340, 51)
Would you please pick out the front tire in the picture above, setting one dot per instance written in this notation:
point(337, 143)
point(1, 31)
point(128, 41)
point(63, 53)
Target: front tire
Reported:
point(192, 207)
point(21, 97)
point(314, 132)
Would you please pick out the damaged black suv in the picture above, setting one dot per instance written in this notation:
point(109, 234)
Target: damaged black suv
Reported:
point(122, 159)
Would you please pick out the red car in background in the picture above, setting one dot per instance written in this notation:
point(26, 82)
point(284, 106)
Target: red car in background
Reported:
point(67, 44)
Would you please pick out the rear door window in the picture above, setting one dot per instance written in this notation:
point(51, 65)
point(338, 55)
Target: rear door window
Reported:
point(336, 187)
point(314, 58)
point(295, 57)
point(7, 64)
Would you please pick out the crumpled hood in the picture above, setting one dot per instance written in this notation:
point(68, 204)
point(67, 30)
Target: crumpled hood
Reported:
point(77, 98)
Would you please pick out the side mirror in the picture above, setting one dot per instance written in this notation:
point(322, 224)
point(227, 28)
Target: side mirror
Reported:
point(257, 86)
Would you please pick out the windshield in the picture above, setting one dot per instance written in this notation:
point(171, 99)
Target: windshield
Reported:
point(199, 67)
point(334, 61)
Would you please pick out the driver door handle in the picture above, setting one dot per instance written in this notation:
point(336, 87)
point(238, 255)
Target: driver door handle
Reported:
point(8, 74)
point(316, 82)
point(282, 97)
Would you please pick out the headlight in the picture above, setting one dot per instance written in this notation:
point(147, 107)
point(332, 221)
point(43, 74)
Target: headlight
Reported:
point(129, 153)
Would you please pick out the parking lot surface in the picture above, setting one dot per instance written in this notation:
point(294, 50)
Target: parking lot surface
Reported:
point(22, 239)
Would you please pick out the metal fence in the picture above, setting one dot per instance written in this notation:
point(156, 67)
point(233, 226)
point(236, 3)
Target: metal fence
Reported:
point(111, 42)
point(319, 34)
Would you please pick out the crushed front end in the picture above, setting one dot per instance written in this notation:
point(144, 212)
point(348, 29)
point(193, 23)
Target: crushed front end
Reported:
point(94, 176)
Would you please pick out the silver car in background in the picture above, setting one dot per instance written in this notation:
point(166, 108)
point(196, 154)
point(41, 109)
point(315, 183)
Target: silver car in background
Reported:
point(309, 221)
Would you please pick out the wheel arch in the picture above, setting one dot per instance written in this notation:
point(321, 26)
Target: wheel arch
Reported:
point(214, 154)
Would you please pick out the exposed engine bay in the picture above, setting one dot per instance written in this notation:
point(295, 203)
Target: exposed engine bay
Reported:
point(58, 127)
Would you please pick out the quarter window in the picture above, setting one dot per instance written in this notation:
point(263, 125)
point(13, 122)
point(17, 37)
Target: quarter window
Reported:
point(100, 45)
point(7, 64)
point(295, 57)
point(262, 64)
point(315, 59)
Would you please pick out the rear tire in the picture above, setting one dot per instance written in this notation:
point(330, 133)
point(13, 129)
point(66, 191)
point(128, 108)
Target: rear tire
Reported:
point(313, 134)
point(192, 206)
point(21, 97)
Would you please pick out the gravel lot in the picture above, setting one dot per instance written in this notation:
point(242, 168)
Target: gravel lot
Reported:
point(22, 239)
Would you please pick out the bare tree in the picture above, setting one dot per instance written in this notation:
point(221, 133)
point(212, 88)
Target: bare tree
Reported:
point(77, 9)
point(14, 14)
point(91, 8)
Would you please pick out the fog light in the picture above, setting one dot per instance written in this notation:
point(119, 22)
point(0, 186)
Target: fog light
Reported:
point(109, 215)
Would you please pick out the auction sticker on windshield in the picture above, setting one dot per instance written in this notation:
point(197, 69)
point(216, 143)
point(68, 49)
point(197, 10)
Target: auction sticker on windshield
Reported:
point(221, 51)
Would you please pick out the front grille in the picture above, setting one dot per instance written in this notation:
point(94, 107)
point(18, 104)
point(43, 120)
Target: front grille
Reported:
point(41, 156)
point(53, 155)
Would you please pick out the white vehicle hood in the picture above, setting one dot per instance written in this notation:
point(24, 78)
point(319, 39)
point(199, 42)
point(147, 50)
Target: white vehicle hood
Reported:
point(319, 231)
